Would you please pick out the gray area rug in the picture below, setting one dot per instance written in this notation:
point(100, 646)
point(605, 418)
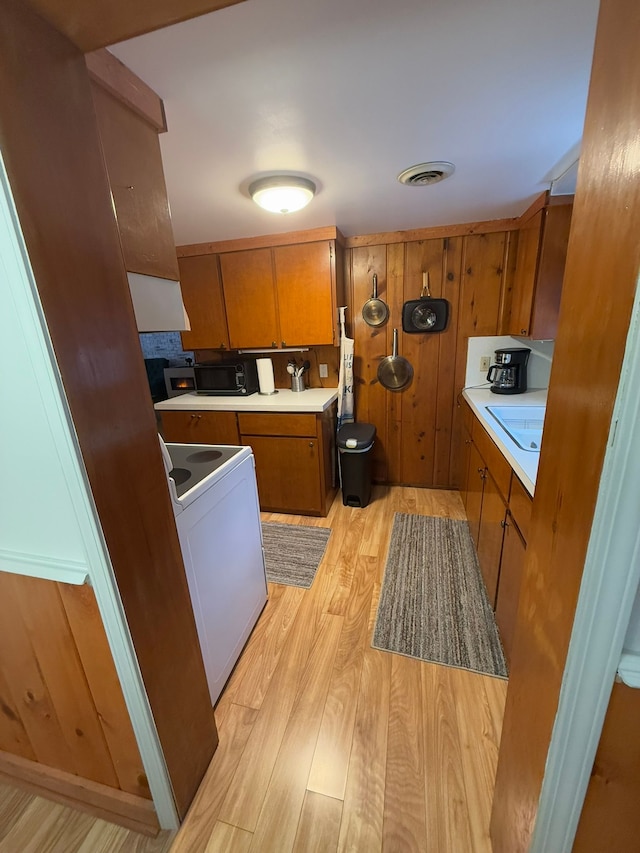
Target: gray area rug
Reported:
point(433, 603)
point(293, 552)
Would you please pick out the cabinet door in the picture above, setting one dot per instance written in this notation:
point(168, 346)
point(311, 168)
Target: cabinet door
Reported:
point(288, 472)
point(490, 536)
point(511, 571)
point(200, 427)
point(249, 295)
point(134, 165)
point(524, 278)
point(203, 299)
point(551, 263)
point(475, 488)
point(305, 282)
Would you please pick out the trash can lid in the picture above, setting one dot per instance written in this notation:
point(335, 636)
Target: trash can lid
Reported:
point(356, 436)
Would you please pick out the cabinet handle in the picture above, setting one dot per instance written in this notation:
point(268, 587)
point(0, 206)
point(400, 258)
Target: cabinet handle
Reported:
point(223, 345)
point(284, 343)
point(504, 524)
point(274, 344)
point(310, 444)
point(198, 416)
point(467, 441)
point(524, 331)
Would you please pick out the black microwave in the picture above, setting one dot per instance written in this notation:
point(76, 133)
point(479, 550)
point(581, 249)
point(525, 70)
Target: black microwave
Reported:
point(227, 377)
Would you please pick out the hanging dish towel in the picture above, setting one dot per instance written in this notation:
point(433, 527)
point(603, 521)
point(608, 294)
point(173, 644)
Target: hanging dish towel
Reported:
point(345, 376)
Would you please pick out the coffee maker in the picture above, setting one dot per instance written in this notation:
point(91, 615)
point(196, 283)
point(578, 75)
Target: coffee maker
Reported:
point(509, 374)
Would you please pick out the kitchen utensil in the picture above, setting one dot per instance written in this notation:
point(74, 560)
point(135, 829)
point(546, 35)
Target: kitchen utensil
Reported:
point(374, 311)
point(509, 374)
point(291, 368)
point(394, 371)
point(425, 314)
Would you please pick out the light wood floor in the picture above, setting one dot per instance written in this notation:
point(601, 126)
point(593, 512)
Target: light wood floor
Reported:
point(325, 743)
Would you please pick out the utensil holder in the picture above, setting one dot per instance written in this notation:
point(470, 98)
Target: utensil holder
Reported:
point(297, 383)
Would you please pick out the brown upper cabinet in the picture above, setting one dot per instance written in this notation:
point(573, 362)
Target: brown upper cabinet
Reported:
point(532, 302)
point(282, 296)
point(204, 303)
point(134, 164)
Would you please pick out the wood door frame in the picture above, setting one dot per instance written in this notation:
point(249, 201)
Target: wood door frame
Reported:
point(609, 586)
point(98, 564)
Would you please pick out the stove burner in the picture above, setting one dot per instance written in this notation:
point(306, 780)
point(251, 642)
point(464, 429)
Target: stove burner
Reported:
point(180, 475)
point(204, 456)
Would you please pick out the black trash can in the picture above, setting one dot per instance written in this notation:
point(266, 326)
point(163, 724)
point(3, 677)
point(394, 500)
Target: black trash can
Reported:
point(355, 446)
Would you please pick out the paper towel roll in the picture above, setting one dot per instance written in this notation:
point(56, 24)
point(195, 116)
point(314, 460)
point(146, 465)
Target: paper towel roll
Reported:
point(265, 376)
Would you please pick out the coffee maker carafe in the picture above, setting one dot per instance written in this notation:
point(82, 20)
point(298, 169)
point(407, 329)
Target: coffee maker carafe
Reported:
point(509, 374)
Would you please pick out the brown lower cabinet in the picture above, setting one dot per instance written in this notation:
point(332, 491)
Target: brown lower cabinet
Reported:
point(490, 535)
point(295, 459)
point(511, 570)
point(498, 511)
point(187, 427)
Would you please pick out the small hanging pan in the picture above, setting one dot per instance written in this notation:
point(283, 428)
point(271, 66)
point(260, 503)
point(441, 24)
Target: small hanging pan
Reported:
point(374, 310)
point(394, 371)
point(425, 314)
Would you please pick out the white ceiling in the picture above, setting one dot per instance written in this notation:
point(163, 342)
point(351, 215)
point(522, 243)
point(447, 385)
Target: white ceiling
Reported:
point(351, 92)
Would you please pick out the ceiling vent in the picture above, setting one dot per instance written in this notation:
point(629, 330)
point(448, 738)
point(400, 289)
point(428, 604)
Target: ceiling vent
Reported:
point(426, 173)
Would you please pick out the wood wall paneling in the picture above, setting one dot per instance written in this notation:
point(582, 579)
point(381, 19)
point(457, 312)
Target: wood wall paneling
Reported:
point(370, 349)
point(481, 287)
point(610, 818)
point(395, 283)
point(603, 261)
point(104, 22)
point(61, 698)
point(98, 352)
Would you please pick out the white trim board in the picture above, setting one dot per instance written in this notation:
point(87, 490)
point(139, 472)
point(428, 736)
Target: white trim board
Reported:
point(607, 593)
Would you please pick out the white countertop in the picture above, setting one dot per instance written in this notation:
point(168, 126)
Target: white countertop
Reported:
point(309, 400)
point(523, 462)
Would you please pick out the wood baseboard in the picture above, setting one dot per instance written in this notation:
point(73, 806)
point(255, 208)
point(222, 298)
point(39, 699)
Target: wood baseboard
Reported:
point(128, 810)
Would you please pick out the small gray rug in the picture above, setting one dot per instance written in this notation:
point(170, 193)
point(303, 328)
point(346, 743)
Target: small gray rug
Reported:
point(293, 552)
point(433, 603)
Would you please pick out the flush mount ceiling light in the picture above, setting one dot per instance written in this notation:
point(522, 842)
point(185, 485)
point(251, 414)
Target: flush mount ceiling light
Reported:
point(426, 173)
point(282, 193)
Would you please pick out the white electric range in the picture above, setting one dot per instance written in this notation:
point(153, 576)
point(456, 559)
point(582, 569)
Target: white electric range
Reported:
point(215, 499)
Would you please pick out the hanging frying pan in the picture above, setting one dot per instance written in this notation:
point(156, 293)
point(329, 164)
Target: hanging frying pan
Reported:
point(374, 310)
point(425, 314)
point(394, 371)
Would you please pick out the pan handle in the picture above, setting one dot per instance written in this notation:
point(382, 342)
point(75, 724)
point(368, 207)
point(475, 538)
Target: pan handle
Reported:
point(394, 351)
point(375, 286)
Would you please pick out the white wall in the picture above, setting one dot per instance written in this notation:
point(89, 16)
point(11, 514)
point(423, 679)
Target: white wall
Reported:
point(538, 366)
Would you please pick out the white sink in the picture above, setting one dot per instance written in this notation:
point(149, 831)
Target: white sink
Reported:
point(523, 424)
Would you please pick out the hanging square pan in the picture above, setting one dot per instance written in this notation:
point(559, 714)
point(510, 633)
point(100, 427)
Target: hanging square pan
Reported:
point(425, 315)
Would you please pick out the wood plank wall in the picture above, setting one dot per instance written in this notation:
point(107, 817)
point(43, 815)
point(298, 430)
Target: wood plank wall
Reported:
point(60, 698)
point(418, 430)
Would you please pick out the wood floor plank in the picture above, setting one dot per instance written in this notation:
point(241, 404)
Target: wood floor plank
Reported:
point(228, 839)
point(447, 818)
point(319, 826)
point(13, 802)
point(331, 758)
point(248, 787)
point(256, 666)
point(342, 589)
point(404, 801)
point(194, 834)
point(282, 807)
point(272, 754)
point(46, 827)
point(361, 826)
point(479, 752)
